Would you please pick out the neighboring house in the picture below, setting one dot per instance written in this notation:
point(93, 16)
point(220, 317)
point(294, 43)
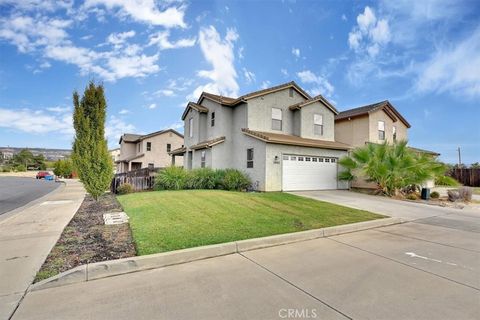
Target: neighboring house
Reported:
point(148, 151)
point(283, 138)
point(373, 123)
point(115, 154)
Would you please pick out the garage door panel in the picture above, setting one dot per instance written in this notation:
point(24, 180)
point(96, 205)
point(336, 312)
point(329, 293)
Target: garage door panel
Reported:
point(308, 175)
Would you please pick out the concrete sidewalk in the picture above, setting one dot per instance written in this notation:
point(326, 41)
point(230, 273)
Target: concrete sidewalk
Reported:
point(27, 237)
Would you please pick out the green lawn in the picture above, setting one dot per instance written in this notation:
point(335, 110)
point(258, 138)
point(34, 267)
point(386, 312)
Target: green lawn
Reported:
point(169, 220)
point(476, 190)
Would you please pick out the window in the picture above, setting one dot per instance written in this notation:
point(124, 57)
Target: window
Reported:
point(333, 160)
point(394, 133)
point(314, 159)
point(290, 92)
point(327, 160)
point(300, 158)
point(293, 158)
point(212, 120)
point(149, 146)
point(381, 130)
point(276, 119)
point(250, 158)
point(138, 147)
point(320, 159)
point(308, 159)
point(202, 159)
point(285, 157)
point(318, 124)
point(151, 166)
point(190, 127)
point(169, 147)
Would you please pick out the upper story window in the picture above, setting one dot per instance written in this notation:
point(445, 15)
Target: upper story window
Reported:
point(203, 159)
point(381, 130)
point(394, 133)
point(250, 158)
point(318, 124)
point(276, 119)
point(212, 119)
point(290, 92)
point(151, 166)
point(169, 147)
point(149, 146)
point(190, 127)
point(138, 147)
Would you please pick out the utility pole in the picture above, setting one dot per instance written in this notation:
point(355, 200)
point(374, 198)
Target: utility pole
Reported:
point(459, 157)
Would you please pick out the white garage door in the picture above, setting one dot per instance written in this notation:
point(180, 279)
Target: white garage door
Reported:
point(309, 173)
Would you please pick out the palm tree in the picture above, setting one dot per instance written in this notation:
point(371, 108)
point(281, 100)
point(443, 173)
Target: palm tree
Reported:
point(392, 166)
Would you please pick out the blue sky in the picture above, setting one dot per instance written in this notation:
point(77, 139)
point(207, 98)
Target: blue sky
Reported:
point(154, 56)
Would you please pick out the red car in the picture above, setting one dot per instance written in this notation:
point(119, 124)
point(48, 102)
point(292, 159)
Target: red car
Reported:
point(43, 174)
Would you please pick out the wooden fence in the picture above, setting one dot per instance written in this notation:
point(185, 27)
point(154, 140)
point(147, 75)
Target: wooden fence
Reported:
point(468, 177)
point(141, 179)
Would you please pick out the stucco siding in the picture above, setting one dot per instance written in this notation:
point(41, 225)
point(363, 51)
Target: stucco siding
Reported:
point(195, 115)
point(260, 111)
point(274, 169)
point(354, 132)
point(380, 115)
point(158, 154)
point(307, 117)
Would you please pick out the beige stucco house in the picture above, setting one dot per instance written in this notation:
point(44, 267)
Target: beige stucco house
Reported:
point(374, 123)
point(283, 138)
point(148, 151)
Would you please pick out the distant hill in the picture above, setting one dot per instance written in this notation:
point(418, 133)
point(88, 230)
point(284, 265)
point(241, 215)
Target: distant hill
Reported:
point(49, 154)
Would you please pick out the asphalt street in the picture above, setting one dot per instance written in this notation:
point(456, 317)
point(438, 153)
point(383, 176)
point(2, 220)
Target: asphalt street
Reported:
point(16, 192)
point(427, 268)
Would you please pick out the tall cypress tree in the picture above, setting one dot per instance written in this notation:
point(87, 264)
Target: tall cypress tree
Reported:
point(90, 151)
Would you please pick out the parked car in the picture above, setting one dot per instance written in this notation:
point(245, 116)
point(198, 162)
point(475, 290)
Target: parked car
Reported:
point(42, 174)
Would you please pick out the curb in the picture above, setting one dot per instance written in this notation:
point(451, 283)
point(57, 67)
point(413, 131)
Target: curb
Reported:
point(104, 269)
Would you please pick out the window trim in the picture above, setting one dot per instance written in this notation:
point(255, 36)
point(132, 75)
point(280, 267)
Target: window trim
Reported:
point(203, 158)
point(394, 133)
point(274, 119)
point(315, 124)
point(190, 127)
point(250, 151)
point(381, 133)
point(149, 146)
point(212, 119)
point(169, 147)
point(151, 166)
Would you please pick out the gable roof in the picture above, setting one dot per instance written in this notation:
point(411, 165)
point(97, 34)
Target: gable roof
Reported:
point(278, 138)
point(130, 137)
point(228, 101)
point(385, 105)
point(195, 106)
point(318, 98)
point(208, 143)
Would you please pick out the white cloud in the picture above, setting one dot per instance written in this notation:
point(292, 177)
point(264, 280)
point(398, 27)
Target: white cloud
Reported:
point(124, 111)
point(240, 53)
point(145, 11)
point(161, 40)
point(296, 52)
point(344, 17)
point(249, 76)
point(219, 53)
point(265, 84)
point(176, 126)
point(36, 121)
point(320, 84)
point(165, 93)
point(152, 106)
point(454, 69)
point(284, 72)
point(115, 127)
point(370, 34)
point(118, 39)
point(58, 109)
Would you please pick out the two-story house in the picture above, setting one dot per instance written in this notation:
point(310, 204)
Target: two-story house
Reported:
point(283, 138)
point(374, 123)
point(148, 151)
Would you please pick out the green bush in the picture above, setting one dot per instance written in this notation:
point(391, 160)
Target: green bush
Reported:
point(203, 178)
point(125, 188)
point(235, 180)
point(19, 168)
point(171, 178)
point(411, 196)
point(446, 181)
point(434, 195)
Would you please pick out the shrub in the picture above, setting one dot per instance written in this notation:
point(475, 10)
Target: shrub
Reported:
point(219, 175)
point(411, 196)
point(203, 178)
point(446, 181)
point(125, 188)
point(434, 195)
point(19, 168)
point(171, 178)
point(235, 180)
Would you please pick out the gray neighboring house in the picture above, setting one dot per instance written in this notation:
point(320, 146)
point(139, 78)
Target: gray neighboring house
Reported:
point(283, 138)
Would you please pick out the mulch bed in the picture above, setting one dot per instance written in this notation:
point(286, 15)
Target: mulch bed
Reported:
point(86, 239)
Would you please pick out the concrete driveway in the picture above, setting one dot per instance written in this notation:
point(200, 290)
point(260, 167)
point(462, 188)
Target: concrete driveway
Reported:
point(382, 205)
point(427, 269)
